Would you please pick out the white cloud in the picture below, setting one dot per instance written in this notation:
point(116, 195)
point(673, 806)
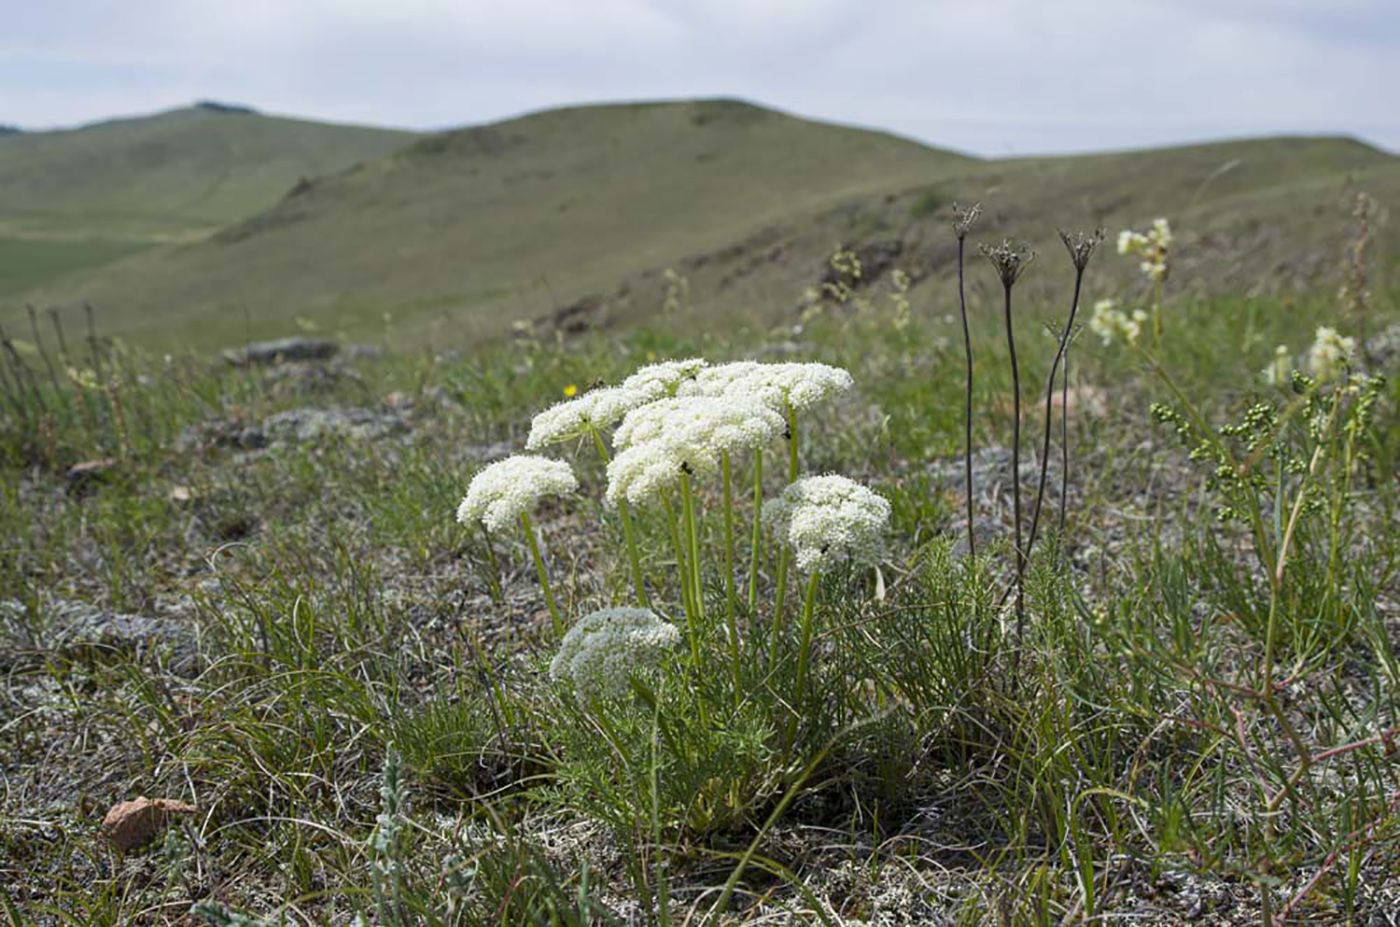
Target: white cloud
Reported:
point(991, 76)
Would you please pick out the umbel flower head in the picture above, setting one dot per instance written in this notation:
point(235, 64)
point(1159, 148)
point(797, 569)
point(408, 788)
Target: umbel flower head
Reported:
point(1330, 354)
point(1153, 245)
point(507, 489)
point(604, 648)
point(777, 386)
point(1010, 258)
point(709, 424)
point(965, 219)
point(666, 437)
point(1081, 246)
point(570, 419)
point(1280, 369)
point(828, 520)
point(1112, 324)
point(658, 381)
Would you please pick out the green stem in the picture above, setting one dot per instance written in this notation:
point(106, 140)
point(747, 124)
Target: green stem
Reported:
point(803, 657)
point(496, 592)
point(757, 528)
point(626, 512)
point(692, 532)
point(729, 591)
point(1157, 314)
point(792, 444)
point(731, 603)
point(780, 605)
point(632, 555)
point(544, 575)
point(684, 572)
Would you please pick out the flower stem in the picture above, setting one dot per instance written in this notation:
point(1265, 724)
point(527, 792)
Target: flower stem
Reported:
point(1016, 484)
point(684, 572)
point(1157, 315)
point(783, 555)
point(731, 596)
point(792, 443)
point(692, 534)
point(496, 592)
point(626, 512)
point(757, 528)
point(1049, 410)
point(967, 407)
point(1064, 457)
point(803, 658)
point(544, 575)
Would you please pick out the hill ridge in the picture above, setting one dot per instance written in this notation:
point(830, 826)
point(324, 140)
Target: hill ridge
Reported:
point(469, 230)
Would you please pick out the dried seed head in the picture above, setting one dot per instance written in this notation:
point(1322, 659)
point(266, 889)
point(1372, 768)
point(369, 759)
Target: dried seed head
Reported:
point(1010, 258)
point(965, 219)
point(1081, 246)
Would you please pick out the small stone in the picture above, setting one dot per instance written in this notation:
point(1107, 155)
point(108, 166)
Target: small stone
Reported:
point(90, 472)
point(297, 348)
point(130, 824)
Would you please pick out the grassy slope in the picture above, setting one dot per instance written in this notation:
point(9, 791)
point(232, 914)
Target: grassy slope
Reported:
point(464, 233)
point(81, 197)
point(581, 197)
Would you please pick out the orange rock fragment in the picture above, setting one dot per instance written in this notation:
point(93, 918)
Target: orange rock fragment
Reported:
point(131, 824)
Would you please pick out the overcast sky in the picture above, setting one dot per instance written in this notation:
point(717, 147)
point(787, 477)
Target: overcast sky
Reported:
point(993, 77)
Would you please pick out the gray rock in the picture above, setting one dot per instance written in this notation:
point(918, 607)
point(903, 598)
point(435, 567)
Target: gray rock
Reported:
point(293, 427)
point(988, 533)
point(300, 425)
point(992, 466)
point(296, 348)
point(1383, 349)
point(79, 631)
point(301, 378)
point(357, 352)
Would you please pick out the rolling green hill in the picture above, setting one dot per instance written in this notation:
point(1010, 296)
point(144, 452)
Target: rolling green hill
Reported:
point(79, 198)
point(578, 213)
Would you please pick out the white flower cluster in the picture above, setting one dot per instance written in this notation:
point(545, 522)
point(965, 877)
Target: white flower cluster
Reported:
point(1153, 245)
point(604, 648)
point(570, 419)
point(661, 438)
point(601, 408)
point(503, 491)
point(776, 386)
point(827, 520)
point(658, 381)
point(710, 424)
point(1330, 354)
point(1280, 369)
point(1113, 324)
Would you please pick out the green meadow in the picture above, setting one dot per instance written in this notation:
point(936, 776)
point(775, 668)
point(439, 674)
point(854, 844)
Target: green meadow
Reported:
point(244, 587)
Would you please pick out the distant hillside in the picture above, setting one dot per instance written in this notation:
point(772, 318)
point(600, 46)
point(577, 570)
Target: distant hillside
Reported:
point(574, 215)
point(80, 197)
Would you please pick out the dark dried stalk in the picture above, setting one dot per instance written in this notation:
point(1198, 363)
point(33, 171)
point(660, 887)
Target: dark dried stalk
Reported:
point(43, 351)
point(92, 341)
point(25, 381)
point(16, 393)
point(1081, 249)
point(1064, 452)
point(1010, 260)
point(62, 342)
point(963, 220)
